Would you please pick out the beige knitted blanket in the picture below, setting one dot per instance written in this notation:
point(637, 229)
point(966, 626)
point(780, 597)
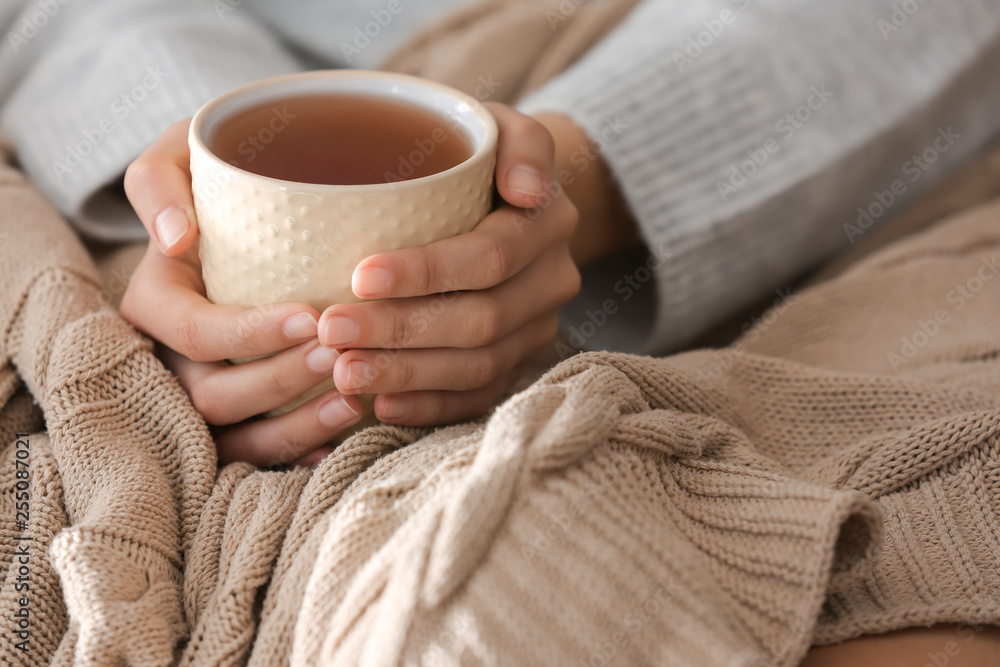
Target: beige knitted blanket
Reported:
point(836, 473)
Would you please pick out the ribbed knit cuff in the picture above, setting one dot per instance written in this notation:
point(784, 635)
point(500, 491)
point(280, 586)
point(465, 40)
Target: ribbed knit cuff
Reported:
point(91, 102)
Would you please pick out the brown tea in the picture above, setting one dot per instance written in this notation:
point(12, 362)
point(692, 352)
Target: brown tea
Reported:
point(340, 140)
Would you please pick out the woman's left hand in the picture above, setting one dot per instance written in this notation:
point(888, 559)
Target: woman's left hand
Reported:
point(447, 326)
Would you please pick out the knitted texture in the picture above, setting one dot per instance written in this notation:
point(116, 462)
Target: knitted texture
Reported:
point(505, 49)
point(714, 508)
point(835, 473)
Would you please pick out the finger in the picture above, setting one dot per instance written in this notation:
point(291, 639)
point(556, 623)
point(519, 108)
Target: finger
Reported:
point(313, 459)
point(525, 157)
point(465, 319)
point(158, 185)
point(431, 408)
point(500, 247)
point(226, 394)
point(164, 302)
point(442, 369)
point(290, 437)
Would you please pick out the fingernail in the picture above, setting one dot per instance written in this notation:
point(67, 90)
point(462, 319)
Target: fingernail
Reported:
point(394, 408)
point(526, 181)
point(171, 226)
point(340, 332)
point(322, 359)
point(337, 414)
point(360, 374)
point(302, 325)
point(371, 281)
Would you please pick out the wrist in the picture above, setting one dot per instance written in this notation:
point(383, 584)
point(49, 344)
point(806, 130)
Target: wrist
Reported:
point(606, 225)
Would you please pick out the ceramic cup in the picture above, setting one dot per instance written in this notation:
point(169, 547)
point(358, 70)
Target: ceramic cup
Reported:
point(266, 241)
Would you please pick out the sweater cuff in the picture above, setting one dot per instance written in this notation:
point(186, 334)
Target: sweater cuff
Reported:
point(665, 129)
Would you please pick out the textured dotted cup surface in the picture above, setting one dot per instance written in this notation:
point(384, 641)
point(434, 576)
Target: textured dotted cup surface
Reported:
point(266, 241)
point(263, 245)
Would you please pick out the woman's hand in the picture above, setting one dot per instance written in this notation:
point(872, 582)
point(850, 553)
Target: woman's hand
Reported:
point(166, 300)
point(448, 325)
point(443, 335)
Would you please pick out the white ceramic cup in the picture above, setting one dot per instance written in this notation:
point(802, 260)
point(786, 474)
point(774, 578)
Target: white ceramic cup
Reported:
point(265, 241)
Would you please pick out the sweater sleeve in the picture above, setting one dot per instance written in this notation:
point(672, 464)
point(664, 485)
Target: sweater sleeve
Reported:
point(87, 86)
point(754, 138)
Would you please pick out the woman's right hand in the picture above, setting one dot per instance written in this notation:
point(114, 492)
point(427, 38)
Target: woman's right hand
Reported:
point(166, 300)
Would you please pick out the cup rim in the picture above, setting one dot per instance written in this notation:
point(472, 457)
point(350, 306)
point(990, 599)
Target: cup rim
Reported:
point(195, 139)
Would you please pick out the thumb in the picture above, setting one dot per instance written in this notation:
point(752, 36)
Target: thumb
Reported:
point(525, 157)
point(158, 185)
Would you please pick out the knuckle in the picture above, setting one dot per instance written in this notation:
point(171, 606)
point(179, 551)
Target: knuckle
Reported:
point(208, 403)
point(244, 334)
point(289, 448)
point(432, 273)
point(487, 368)
point(569, 218)
point(436, 410)
point(179, 127)
point(498, 259)
point(138, 175)
point(550, 329)
point(545, 334)
point(407, 375)
point(274, 383)
point(483, 400)
point(127, 308)
point(488, 323)
point(186, 338)
point(544, 140)
point(131, 173)
point(398, 333)
point(528, 128)
point(571, 282)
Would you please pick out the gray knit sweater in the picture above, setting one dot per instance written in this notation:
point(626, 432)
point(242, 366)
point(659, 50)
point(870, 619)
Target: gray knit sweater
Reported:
point(751, 138)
